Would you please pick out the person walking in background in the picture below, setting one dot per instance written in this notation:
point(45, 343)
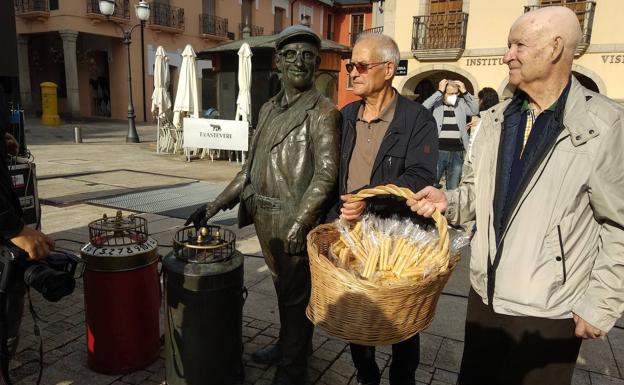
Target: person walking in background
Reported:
point(386, 138)
point(488, 98)
point(545, 186)
point(452, 105)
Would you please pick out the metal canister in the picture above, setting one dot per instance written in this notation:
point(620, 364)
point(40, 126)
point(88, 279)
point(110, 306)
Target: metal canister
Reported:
point(122, 295)
point(204, 296)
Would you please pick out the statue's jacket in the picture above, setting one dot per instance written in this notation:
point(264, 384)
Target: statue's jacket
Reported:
point(300, 146)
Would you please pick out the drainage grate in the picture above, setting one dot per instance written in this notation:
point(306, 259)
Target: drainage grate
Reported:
point(178, 202)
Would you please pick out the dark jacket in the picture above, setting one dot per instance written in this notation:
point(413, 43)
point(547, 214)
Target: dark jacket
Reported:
point(303, 159)
point(10, 210)
point(407, 157)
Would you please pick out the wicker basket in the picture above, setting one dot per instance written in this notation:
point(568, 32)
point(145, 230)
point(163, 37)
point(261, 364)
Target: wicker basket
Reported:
point(361, 312)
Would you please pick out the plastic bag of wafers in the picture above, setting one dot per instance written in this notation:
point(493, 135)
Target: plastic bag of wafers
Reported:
point(384, 250)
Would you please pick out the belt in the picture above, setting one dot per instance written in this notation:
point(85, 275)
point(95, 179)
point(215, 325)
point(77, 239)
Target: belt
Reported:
point(267, 203)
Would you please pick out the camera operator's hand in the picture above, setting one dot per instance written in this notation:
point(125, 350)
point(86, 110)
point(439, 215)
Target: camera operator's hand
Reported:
point(11, 144)
point(33, 242)
point(201, 216)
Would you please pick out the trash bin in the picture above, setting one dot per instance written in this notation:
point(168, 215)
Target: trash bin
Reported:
point(122, 295)
point(204, 296)
point(49, 104)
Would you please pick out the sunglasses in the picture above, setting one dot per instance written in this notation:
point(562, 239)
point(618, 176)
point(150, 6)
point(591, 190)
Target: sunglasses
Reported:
point(363, 67)
point(290, 55)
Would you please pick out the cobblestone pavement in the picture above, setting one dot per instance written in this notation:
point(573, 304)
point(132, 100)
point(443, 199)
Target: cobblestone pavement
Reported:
point(330, 364)
point(65, 353)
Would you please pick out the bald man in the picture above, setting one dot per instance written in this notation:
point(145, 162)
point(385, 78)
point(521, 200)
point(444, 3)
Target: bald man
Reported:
point(545, 188)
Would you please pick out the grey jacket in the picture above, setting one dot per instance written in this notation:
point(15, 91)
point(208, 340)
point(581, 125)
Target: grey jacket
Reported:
point(564, 244)
point(465, 106)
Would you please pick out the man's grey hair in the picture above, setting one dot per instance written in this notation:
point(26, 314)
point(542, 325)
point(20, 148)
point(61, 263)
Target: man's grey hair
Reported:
point(388, 49)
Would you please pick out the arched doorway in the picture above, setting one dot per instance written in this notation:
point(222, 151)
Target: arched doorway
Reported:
point(427, 84)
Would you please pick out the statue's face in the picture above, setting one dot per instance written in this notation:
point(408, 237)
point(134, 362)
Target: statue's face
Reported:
point(298, 62)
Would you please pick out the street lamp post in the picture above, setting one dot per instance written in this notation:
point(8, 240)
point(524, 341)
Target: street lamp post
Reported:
point(107, 8)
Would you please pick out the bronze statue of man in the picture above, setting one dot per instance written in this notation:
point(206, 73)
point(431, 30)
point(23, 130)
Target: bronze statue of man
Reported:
point(285, 188)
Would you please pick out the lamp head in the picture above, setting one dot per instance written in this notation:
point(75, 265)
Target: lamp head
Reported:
point(143, 10)
point(107, 7)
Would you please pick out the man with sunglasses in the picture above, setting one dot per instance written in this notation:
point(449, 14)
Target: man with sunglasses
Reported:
point(386, 139)
point(285, 189)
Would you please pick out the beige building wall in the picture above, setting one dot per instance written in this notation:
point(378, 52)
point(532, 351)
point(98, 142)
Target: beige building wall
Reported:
point(486, 40)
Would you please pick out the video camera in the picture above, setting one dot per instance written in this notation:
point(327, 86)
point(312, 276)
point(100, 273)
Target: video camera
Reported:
point(54, 278)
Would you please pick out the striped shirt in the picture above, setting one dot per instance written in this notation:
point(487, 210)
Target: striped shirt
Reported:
point(450, 136)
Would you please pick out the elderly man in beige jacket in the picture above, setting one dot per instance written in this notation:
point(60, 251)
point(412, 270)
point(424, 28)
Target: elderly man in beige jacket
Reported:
point(545, 188)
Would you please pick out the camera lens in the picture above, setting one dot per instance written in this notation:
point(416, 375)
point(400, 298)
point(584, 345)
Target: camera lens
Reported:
point(52, 284)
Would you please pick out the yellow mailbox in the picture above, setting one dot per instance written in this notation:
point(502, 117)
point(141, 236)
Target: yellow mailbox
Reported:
point(49, 104)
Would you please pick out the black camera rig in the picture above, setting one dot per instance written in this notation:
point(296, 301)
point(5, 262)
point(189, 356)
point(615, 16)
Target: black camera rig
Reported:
point(53, 278)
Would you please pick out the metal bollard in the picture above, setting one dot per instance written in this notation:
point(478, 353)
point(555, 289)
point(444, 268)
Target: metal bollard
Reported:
point(77, 134)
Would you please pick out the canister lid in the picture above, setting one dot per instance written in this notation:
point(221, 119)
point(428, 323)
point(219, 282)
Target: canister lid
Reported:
point(120, 258)
point(207, 244)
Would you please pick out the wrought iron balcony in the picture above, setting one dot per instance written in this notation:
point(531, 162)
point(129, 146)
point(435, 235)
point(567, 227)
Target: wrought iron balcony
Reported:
point(166, 18)
point(255, 30)
point(211, 25)
point(439, 37)
point(354, 35)
point(32, 8)
point(122, 9)
point(584, 10)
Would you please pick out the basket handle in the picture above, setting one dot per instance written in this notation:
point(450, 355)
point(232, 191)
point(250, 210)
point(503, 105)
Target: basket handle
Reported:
point(406, 193)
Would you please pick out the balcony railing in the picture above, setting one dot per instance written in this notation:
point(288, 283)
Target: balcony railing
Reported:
point(437, 37)
point(166, 17)
point(122, 9)
point(354, 35)
point(213, 25)
point(584, 10)
point(32, 8)
point(255, 30)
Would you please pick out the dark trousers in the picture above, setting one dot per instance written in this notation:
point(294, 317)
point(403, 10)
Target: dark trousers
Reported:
point(291, 277)
point(405, 359)
point(510, 350)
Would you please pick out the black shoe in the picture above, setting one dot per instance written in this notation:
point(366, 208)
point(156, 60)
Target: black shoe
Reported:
point(270, 355)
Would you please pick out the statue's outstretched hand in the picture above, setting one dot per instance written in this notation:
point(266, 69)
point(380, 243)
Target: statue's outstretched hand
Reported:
point(296, 238)
point(203, 213)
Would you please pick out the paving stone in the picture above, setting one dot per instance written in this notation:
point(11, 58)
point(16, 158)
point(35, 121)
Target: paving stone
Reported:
point(429, 347)
point(423, 375)
point(344, 367)
point(334, 346)
point(332, 377)
point(449, 355)
point(137, 377)
point(449, 318)
point(599, 379)
point(445, 376)
point(325, 354)
point(436, 382)
point(616, 340)
point(263, 340)
point(253, 374)
point(318, 363)
point(580, 377)
point(596, 356)
point(259, 324)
